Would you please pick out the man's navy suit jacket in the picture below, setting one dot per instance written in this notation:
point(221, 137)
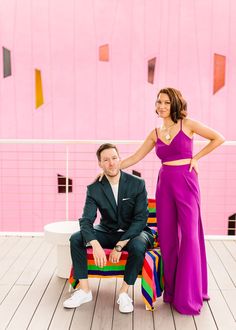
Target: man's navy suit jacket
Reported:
point(130, 214)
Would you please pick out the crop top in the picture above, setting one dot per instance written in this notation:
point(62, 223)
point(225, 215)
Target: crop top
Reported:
point(180, 147)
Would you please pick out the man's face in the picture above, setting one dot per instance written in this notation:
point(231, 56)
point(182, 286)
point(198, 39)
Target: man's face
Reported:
point(110, 162)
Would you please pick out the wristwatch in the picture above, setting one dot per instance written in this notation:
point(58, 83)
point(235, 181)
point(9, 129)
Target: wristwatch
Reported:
point(118, 248)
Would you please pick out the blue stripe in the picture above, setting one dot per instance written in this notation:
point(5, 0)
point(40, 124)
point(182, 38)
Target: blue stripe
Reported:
point(106, 272)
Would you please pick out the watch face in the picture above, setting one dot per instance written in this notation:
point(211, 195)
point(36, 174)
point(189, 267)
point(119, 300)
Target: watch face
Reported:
point(118, 248)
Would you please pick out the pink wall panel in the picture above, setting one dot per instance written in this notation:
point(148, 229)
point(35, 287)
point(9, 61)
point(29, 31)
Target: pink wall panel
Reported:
point(85, 98)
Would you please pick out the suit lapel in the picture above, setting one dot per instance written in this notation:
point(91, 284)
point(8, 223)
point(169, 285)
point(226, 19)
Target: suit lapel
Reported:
point(108, 192)
point(122, 189)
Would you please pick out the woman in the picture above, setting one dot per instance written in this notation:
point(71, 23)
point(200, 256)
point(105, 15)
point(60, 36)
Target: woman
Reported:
point(180, 229)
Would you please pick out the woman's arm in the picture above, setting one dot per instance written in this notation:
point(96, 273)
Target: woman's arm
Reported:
point(215, 138)
point(142, 151)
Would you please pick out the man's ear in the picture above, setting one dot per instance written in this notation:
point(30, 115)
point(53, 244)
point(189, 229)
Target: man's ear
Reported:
point(99, 164)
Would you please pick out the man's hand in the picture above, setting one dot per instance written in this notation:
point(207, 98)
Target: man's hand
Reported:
point(114, 256)
point(99, 254)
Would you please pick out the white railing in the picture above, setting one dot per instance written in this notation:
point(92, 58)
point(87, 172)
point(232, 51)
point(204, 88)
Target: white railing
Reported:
point(27, 164)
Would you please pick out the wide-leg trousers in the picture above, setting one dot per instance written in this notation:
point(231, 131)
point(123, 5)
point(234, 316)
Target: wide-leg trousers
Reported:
point(181, 238)
point(136, 248)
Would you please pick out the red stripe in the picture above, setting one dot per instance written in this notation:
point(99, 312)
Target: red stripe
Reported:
point(147, 268)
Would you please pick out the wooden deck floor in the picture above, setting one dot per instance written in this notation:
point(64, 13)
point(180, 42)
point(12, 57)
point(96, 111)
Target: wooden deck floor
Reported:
point(31, 294)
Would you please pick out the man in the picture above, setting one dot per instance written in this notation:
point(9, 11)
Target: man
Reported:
point(121, 199)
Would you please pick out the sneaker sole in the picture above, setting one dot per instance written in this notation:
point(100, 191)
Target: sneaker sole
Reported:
point(75, 306)
point(126, 312)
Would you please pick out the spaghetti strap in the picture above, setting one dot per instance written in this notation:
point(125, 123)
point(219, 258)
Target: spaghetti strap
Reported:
point(156, 132)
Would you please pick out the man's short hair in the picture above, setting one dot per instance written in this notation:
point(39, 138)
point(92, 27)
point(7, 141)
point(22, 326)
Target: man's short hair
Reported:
point(104, 147)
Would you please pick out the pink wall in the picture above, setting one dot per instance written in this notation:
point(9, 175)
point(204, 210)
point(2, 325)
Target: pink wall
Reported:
point(85, 98)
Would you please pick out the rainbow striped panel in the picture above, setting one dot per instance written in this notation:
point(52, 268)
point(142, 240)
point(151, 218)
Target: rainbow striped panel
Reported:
point(152, 272)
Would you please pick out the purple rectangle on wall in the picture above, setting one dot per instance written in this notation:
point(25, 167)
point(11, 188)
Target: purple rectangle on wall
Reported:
point(6, 62)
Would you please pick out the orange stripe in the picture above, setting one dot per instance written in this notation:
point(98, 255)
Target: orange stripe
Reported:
point(147, 278)
point(152, 220)
point(120, 263)
point(152, 204)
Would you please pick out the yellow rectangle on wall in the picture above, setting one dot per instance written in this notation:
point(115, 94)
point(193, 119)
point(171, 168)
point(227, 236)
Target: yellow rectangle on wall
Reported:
point(38, 89)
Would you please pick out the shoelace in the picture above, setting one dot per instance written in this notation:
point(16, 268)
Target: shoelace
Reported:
point(73, 294)
point(124, 299)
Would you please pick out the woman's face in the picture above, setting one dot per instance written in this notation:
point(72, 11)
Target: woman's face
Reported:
point(163, 105)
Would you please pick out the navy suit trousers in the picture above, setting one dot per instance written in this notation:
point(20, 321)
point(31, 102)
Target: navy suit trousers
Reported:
point(136, 248)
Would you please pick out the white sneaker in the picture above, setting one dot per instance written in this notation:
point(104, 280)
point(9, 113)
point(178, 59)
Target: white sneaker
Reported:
point(125, 303)
point(78, 298)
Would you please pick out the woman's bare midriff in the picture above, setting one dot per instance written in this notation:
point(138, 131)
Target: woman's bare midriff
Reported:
point(178, 162)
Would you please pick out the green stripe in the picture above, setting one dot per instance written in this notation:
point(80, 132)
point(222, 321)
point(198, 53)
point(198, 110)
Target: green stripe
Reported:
point(106, 268)
point(152, 209)
point(161, 275)
point(146, 286)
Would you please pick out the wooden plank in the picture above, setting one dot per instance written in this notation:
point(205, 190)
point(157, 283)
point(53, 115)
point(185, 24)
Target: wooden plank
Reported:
point(13, 255)
point(20, 263)
point(226, 258)
point(32, 269)
point(104, 306)
point(31, 300)
point(163, 316)
point(222, 314)
point(37, 294)
point(3, 240)
point(8, 244)
point(212, 284)
point(220, 274)
point(83, 316)
point(10, 304)
point(143, 319)
point(183, 322)
point(27, 273)
point(45, 310)
point(62, 317)
point(205, 321)
point(231, 246)
point(230, 297)
point(4, 289)
point(122, 321)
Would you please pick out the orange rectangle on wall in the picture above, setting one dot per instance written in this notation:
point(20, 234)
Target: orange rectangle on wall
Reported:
point(104, 53)
point(219, 72)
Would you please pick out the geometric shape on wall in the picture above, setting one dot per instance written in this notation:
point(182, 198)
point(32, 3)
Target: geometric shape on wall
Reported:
point(151, 70)
point(61, 184)
point(6, 62)
point(232, 224)
point(104, 53)
point(136, 173)
point(219, 72)
point(38, 89)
